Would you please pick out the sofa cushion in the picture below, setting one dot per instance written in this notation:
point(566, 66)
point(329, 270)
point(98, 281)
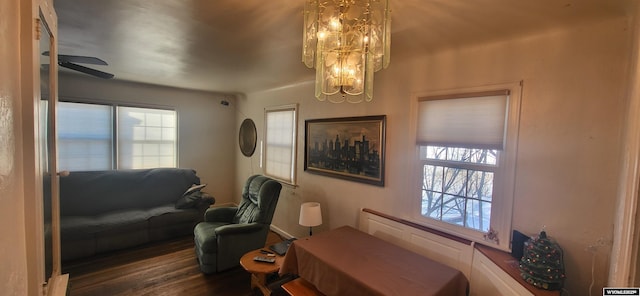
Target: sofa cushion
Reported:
point(74, 226)
point(168, 214)
point(77, 248)
point(172, 222)
point(122, 237)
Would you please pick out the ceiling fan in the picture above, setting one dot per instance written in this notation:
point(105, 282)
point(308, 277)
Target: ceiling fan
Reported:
point(69, 61)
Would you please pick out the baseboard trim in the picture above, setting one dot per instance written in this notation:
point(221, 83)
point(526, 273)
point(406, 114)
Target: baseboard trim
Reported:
point(281, 232)
point(223, 205)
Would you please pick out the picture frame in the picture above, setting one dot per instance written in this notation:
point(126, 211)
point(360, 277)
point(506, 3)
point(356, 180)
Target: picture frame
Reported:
point(350, 148)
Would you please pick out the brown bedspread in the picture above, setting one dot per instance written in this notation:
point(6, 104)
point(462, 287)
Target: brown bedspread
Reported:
point(346, 261)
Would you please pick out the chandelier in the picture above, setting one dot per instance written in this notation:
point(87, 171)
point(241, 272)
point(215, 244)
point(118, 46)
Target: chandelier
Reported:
point(346, 41)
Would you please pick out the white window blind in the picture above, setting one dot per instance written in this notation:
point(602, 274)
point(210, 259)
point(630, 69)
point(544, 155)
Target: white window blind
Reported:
point(280, 147)
point(84, 137)
point(87, 141)
point(146, 138)
point(475, 120)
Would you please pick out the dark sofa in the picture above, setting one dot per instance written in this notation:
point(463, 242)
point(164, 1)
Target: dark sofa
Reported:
point(102, 211)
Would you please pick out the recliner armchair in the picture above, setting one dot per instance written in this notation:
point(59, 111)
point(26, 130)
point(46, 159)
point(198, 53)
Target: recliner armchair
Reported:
point(227, 233)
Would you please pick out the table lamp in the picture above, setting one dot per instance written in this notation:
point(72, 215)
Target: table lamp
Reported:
point(310, 215)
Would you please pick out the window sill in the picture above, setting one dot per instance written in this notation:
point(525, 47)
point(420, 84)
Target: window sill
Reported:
point(509, 265)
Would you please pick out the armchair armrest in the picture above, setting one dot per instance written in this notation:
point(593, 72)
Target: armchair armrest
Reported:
point(238, 229)
point(235, 240)
point(220, 214)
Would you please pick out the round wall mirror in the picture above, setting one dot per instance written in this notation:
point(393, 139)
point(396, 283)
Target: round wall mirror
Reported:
point(247, 137)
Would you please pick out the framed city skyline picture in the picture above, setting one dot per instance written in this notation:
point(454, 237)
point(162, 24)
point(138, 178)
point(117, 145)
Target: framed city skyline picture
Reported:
point(350, 148)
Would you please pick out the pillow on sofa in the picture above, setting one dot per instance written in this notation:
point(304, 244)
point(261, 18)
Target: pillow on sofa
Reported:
point(193, 197)
point(194, 188)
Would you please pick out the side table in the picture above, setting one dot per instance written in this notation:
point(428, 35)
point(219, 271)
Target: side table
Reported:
point(260, 270)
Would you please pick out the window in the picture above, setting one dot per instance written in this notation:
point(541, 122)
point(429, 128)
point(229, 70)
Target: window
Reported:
point(146, 138)
point(87, 139)
point(466, 150)
point(280, 135)
point(458, 185)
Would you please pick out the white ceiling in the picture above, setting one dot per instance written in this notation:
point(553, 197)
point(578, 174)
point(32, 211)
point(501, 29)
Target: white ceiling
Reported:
point(240, 46)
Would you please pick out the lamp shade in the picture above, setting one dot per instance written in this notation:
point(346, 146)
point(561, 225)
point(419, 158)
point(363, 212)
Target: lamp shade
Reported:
point(310, 214)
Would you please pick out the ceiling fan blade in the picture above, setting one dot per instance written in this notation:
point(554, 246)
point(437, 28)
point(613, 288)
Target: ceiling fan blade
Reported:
point(78, 59)
point(85, 70)
point(81, 59)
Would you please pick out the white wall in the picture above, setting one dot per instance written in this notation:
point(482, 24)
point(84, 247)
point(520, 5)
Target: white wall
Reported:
point(569, 144)
point(13, 274)
point(207, 138)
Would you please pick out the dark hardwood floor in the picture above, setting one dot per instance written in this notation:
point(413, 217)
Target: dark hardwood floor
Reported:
point(166, 268)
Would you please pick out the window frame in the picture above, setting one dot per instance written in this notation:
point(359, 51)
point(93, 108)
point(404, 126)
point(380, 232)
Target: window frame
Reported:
point(294, 144)
point(465, 166)
point(118, 140)
point(115, 164)
point(504, 178)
